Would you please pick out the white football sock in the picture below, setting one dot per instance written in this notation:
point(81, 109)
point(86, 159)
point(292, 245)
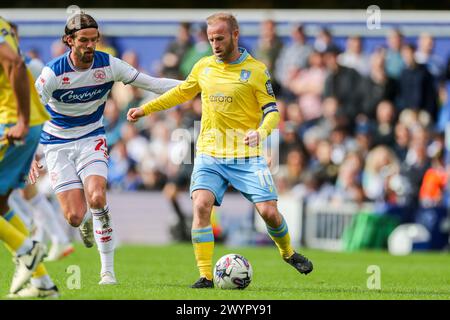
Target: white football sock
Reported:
point(103, 233)
point(45, 214)
point(25, 247)
point(21, 207)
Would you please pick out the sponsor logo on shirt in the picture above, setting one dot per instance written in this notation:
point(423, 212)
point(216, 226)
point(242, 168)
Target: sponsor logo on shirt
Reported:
point(220, 98)
point(70, 96)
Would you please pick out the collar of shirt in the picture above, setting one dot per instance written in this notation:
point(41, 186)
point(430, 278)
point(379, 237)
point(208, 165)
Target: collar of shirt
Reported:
point(243, 55)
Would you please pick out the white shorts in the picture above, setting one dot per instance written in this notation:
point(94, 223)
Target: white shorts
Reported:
point(69, 164)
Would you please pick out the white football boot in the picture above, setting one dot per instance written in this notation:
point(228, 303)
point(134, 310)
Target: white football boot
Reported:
point(107, 278)
point(31, 291)
point(26, 264)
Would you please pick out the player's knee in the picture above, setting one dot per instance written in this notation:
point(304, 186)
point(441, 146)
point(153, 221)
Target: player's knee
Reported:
point(97, 200)
point(202, 207)
point(270, 215)
point(74, 218)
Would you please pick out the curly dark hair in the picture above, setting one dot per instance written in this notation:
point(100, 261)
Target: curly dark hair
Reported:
point(76, 23)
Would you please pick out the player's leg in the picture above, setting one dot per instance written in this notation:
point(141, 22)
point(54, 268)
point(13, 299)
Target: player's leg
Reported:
point(44, 215)
point(207, 190)
point(13, 168)
point(279, 232)
point(68, 187)
point(254, 180)
point(92, 168)
point(95, 189)
point(17, 242)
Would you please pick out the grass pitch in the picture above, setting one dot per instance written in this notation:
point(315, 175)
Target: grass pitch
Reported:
point(165, 272)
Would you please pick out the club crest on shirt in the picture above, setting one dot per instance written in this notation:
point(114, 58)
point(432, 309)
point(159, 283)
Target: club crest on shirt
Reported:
point(99, 75)
point(245, 75)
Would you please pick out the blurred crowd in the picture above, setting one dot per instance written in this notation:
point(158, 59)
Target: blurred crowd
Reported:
point(356, 126)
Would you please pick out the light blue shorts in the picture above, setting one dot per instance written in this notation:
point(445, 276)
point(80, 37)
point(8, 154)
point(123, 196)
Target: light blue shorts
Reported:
point(17, 160)
point(250, 176)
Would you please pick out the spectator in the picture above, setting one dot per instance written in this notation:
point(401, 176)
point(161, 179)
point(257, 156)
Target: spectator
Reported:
point(268, 49)
point(417, 88)
point(322, 165)
point(394, 62)
point(113, 122)
point(104, 45)
point(119, 165)
point(363, 135)
point(385, 124)
point(424, 55)
point(136, 144)
point(344, 84)
point(402, 137)
point(124, 94)
point(377, 86)
point(342, 143)
point(414, 166)
point(354, 57)
point(324, 42)
point(308, 85)
point(176, 51)
point(292, 58)
point(294, 168)
point(348, 186)
point(434, 182)
point(57, 48)
point(380, 169)
point(289, 140)
point(200, 49)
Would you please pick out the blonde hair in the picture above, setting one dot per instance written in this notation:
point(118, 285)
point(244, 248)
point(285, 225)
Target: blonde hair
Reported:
point(223, 16)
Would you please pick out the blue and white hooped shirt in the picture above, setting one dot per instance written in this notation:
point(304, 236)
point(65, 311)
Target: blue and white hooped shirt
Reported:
point(75, 99)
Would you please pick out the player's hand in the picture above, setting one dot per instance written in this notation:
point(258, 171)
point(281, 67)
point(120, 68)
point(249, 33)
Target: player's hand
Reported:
point(34, 171)
point(134, 114)
point(252, 138)
point(16, 134)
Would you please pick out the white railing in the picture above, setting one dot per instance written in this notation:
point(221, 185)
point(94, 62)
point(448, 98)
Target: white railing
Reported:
point(325, 223)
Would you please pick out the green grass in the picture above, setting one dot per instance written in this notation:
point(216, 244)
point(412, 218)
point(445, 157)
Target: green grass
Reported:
point(165, 272)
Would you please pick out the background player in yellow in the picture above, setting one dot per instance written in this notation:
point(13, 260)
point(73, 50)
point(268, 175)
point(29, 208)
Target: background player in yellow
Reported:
point(21, 119)
point(236, 96)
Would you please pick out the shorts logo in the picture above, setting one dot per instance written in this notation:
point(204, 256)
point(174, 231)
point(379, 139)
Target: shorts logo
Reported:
point(99, 75)
point(53, 177)
point(245, 75)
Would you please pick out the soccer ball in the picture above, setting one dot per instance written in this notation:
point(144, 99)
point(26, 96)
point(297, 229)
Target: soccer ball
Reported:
point(232, 271)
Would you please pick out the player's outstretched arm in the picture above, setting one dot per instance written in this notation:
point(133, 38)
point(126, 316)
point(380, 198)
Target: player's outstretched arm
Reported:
point(156, 85)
